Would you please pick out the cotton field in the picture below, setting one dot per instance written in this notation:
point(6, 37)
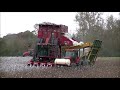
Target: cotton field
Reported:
point(16, 67)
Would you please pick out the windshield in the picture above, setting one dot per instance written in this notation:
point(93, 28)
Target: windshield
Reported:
point(67, 54)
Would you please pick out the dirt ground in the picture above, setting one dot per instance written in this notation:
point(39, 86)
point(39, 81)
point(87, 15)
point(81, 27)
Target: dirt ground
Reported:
point(16, 67)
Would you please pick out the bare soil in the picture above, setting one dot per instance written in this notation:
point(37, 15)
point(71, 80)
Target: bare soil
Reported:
point(16, 67)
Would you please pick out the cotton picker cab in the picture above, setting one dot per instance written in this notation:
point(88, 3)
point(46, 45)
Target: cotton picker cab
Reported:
point(84, 54)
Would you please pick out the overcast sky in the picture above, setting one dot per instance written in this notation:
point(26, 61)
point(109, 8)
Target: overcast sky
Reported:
point(15, 22)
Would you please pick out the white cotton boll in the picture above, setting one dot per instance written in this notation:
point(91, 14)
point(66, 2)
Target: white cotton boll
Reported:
point(75, 43)
point(81, 43)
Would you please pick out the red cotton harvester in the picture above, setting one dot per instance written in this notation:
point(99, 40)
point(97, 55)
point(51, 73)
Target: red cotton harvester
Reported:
point(55, 47)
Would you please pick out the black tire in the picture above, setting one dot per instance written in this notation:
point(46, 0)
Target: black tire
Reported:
point(79, 63)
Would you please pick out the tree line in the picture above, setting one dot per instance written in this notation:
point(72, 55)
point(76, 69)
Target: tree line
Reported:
point(92, 26)
point(16, 44)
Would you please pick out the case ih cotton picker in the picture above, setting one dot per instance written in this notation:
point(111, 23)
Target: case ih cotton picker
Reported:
point(54, 47)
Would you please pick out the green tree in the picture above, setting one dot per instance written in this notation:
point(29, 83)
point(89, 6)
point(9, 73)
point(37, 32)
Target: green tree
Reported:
point(16, 44)
point(92, 26)
point(88, 22)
